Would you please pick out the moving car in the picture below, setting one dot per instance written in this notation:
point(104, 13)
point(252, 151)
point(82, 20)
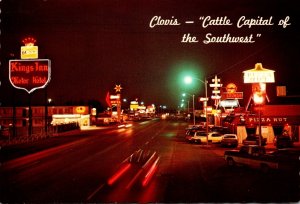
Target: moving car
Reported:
point(137, 170)
point(230, 140)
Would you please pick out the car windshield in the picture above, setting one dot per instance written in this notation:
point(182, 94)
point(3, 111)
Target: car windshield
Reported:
point(201, 133)
point(216, 135)
point(251, 138)
point(191, 132)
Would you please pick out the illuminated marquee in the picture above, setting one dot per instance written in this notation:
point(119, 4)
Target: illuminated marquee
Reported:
point(29, 51)
point(229, 103)
point(231, 92)
point(235, 95)
point(268, 119)
point(134, 105)
point(259, 75)
point(231, 88)
point(29, 74)
point(81, 110)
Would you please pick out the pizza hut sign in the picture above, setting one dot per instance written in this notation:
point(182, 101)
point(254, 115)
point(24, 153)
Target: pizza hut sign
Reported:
point(29, 74)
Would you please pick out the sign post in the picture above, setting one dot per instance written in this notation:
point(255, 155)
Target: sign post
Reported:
point(258, 77)
point(118, 91)
point(30, 73)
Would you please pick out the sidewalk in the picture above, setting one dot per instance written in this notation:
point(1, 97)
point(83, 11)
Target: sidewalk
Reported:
point(14, 150)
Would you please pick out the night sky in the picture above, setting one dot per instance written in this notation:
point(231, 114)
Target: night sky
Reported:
point(94, 45)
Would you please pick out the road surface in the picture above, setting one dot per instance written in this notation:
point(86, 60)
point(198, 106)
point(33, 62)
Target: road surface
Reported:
point(79, 170)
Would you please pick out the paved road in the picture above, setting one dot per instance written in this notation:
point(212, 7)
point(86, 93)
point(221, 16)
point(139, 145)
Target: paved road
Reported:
point(79, 168)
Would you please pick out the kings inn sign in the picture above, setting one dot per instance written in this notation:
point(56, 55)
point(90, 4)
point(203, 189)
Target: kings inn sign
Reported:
point(29, 74)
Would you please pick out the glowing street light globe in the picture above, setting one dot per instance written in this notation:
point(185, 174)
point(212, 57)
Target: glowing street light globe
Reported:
point(188, 80)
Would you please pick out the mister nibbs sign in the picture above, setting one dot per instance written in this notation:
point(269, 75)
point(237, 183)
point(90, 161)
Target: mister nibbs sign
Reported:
point(29, 74)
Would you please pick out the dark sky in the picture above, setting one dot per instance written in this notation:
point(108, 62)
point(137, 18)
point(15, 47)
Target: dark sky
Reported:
point(95, 44)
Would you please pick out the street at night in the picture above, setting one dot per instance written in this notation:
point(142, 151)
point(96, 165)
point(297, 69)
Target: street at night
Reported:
point(78, 170)
point(138, 101)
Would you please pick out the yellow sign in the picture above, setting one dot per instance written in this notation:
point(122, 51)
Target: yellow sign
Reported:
point(80, 109)
point(29, 52)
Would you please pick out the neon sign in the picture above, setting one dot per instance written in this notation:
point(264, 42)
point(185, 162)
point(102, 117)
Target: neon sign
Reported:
point(29, 74)
point(259, 75)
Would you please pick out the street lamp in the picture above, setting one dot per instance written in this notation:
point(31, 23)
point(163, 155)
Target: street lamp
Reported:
point(194, 119)
point(189, 80)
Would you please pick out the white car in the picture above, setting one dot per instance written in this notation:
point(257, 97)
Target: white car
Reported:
point(195, 136)
point(201, 137)
point(213, 137)
point(229, 140)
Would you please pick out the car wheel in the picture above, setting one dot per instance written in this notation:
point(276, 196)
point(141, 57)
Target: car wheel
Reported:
point(230, 162)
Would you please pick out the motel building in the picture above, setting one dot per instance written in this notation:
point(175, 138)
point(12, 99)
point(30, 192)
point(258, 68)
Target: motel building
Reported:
point(274, 120)
point(56, 115)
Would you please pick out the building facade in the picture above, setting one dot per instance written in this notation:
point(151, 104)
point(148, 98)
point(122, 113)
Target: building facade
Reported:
point(274, 119)
point(43, 116)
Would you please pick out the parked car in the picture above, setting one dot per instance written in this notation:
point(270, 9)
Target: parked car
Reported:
point(192, 129)
point(189, 133)
point(195, 136)
point(214, 137)
point(254, 140)
point(282, 141)
point(230, 140)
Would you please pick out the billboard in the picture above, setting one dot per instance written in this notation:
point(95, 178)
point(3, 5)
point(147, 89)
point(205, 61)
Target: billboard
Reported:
point(29, 74)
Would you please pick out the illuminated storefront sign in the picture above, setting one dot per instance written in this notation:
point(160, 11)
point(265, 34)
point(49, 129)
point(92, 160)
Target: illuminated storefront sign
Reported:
point(29, 74)
point(273, 120)
point(259, 75)
point(134, 105)
point(81, 110)
point(114, 96)
point(29, 51)
point(231, 88)
point(229, 103)
point(235, 95)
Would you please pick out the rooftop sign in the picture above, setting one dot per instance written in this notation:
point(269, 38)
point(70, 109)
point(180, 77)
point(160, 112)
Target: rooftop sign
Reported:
point(259, 75)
